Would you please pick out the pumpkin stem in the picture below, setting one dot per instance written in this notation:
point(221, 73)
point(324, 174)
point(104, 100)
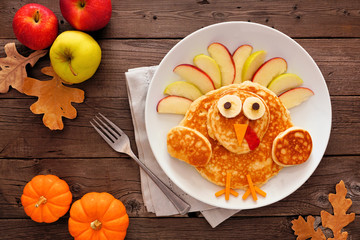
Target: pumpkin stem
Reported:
point(96, 225)
point(42, 200)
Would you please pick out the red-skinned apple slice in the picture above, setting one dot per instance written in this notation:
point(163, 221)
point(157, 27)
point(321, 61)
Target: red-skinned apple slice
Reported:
point(269, 70)
point(183, 89)
point(252, 64)
point(210, 67)
point(226, 63)
point(295, 96)
point(195, 76)
point(284, 82)
point(173, 104)
point(239, 56)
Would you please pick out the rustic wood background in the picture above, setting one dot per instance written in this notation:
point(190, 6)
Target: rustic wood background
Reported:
point(140, 33)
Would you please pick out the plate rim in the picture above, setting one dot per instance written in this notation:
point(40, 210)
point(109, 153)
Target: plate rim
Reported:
point(297, 45)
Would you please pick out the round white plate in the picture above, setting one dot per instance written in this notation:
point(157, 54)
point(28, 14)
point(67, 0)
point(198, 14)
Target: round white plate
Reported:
point(313, 115)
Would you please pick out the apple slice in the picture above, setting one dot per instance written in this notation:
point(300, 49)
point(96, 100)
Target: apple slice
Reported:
point(295, 96)
point(252, 64)
point(284, 82)
point(210, 67)
point(239, 56)
point(195, 76)
point(183, 89)
point(269, 70)
point(173, 104)
point(226, 63)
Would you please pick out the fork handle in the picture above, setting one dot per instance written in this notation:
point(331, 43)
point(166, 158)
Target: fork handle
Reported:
point(182, 206)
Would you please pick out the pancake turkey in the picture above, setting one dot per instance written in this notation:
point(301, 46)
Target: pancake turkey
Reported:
point(207, 137)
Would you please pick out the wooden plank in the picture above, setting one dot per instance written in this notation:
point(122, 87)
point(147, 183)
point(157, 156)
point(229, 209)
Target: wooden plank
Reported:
point(120, 177)
point(170, 19)
point(173, 228)
point(337, 59)
point(22, 134)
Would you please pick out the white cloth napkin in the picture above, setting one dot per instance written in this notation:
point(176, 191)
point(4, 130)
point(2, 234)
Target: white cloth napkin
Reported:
point(155, 201)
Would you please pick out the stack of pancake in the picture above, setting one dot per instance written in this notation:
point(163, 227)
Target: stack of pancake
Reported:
point(206, 139)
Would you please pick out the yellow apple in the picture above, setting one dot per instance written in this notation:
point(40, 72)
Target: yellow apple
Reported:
point(210, 67)
point(75, 56)
point(183, 89)
point(285, 82)
point(252, 64)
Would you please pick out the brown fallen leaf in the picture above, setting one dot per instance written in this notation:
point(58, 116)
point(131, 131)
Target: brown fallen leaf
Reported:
point(340, 219)
point(54, 99)
point(305, 229)
point(13, 67)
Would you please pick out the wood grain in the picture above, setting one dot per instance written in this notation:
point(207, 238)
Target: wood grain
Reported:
point(335, 58)
point(27, 137)
point(140, 33)
point(120, 177)
point(173, 228)
point(176, 19)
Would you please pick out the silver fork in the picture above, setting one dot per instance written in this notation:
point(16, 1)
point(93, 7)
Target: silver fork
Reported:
point(120, 142)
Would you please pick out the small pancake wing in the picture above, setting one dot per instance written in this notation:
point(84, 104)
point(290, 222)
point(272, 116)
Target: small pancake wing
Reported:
point(189, 145)
point(292, 147)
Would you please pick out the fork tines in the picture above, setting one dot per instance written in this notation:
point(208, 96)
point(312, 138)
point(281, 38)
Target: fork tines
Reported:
point(107, 129)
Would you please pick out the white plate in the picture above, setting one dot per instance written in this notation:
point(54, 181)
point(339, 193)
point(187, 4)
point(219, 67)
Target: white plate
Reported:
point(313, 115)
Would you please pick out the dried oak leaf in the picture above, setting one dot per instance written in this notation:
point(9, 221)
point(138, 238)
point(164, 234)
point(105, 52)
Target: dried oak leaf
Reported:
point(340, 219)
point(305, 229)
point(13, 67)
point(54, 99)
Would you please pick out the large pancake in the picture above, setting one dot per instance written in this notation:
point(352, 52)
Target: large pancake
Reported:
point(222, 129)
point(258, 163)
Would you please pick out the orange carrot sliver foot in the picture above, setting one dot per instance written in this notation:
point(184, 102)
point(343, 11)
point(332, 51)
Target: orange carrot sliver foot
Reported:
point(253, 190)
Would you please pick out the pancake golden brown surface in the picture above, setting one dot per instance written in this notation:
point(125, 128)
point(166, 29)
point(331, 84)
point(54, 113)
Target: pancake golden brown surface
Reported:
point(221, 128)
point(253, 156)
point(188, 145)
point(292, 147)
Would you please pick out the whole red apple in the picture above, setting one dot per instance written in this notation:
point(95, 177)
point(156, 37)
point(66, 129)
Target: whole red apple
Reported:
point(86, 15)
point(35, 26)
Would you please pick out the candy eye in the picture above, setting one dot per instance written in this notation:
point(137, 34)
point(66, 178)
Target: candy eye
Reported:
point(254, 108)
point(229, 106)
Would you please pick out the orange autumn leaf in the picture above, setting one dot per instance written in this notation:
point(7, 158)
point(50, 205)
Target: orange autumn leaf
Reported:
point(54, 99)
point(340, 219)
point(13, 67)
point(305, 229)
point(336, 222)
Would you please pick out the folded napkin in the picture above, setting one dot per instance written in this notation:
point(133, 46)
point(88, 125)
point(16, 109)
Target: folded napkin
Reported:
point(155, 201)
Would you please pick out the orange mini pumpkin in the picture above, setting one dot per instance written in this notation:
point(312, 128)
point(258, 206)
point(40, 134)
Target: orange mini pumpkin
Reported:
point(98, 216)
point(46, 198)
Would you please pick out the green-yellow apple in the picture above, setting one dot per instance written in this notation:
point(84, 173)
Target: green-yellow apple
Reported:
point(195, 76)
point(35, 26)
point(269, 70)
point(183, 89)
point(173, 104)
point(240, 55)
point(285, 82)
point(226, 63)
point(86, 15)
point(210, 67)
point(252, 64)
point(295, 96)
point(75, 56)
